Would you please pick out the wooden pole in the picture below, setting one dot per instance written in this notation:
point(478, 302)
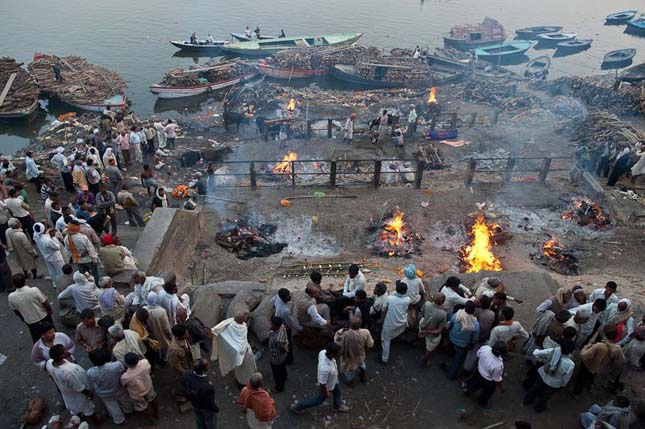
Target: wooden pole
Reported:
point(7, 87)
point(376, 180)
point(433, 123)
point(332, 174)
point(470, 171)
point(329, 125)
point(508, 174)
point(545, 169)
point(308, 129)
point(293, 175)
point(453, 121)
point(473, 119)
point(418, 177)
point(253, 176)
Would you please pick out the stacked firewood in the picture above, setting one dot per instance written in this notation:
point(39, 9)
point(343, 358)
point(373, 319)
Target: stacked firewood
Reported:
point(75, 80)
point(601, 92)
point(181, 78)
point(601, 126)
point(320, 58)
point(24, 90)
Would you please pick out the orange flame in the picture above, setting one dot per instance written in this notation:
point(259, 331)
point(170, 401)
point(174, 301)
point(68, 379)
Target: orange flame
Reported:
point(292, 105)
point(394, 232)
point(477, 256)
point(551, 248)
point(432, 96)
point(284, 166)
point(316, 166)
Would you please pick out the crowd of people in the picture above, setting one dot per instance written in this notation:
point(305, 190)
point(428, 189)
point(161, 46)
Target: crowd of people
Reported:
point(611, 161)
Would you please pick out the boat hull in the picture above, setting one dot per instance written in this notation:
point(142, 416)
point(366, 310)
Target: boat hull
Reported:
point(99, 107)
point(634, 74)
point(287, 73)
point(620, 17)
point(553, 40)
point(531, 33)
point(181, 92)
point(217, 47)
point(517, 50)
point(637, 27)
point(240, 49)
point(463, 45)
point(581, 46)
point(347, 74)
point(242, 37)
point(21, 113)
point(618, 59)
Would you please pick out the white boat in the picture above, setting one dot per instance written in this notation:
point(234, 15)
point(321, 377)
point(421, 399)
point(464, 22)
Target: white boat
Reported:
point(166, 91)
point(116, 103)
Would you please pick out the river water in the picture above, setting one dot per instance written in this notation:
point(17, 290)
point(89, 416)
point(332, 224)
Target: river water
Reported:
point(131, 36)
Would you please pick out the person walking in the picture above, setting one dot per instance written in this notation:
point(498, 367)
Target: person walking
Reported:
point(382, 124)
point(19, 243)
point(30, 305)
point(81, 250)
point(490, 370)
point(349, 128)
point(105, 381)
point(71, 381)
point(51, 249)
point(106, 205)
point(327, 381)
point(396, 318)
point(135, 144)
point(20, 210)
point(354, 343)
point(257, 404)
point(131, 207)
point(463, 334)
point(433, 322)
point(170, 132)
point(201, 393)
point(412, 120)
point(553, 375)
point(279, 351)
point(138, 384)
point(62, 163)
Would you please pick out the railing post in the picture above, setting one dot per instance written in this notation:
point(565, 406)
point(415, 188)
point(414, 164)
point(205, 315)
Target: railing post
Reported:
point(308, 132)
point(332, 174)
point(252, 174)
point(433, 123)
point(418, 177)
point(329, 125)
point(545, 169)
point(293, 174)
point(470, 171)
point(495, 116)
point(473, 118)
point(376, 180)
point(508, 174)
point(453, 121)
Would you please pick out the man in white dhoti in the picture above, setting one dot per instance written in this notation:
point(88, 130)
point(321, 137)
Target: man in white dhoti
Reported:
point(232, 349)
point(396, 318)
point(72, 382)
point(51, 249)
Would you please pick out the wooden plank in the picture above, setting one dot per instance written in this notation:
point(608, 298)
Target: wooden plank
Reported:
point(201, 69)
point(7, 87)
point(64, 61)
point(390, 66)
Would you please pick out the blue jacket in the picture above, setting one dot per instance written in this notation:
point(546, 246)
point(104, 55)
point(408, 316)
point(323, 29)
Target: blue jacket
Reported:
point(461, 338)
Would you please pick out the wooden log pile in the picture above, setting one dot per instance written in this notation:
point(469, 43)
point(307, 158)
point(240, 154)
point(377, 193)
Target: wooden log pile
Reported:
point(23, 92)
point(320, 58)
point(499, 94)
point(205, 74)
point(601, 126)
point(601, 92)
point(79, 81)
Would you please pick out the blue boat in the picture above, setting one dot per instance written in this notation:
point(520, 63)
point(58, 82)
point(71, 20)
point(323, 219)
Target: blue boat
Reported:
point(504, 50)
point(636, 25)
point(620, 17)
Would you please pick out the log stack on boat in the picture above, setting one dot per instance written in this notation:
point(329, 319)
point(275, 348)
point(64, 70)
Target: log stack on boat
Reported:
point(312, 62)
point(18, 90)
point(201, 79)
point(79, 83)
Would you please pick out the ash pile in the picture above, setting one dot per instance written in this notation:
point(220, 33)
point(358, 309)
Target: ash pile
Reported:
point(557, 257)
point(248, 239)
point(393, 236)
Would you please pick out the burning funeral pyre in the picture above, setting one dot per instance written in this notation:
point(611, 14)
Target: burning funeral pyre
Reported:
point(553, 254)
point(247, 241)
point(285, 167)
point(478, 254)
point(393, 236)
point(586, 212)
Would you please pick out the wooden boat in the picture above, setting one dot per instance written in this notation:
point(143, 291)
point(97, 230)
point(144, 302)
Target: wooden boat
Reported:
point(468, 36)
point(634, 74)
point(350, 74)
point(620, 17)
point(575, 45)
point(554, 38)
point(619, 58)
point(290, 73)
point(18, 90)
point(82, 85)
point(530, 33)
point(636, 25)
point(267, 47)
point(537, 67)
point(493, 71)
point(241, 37)
point(202, 45)
point(504, 50)
point(195, 81)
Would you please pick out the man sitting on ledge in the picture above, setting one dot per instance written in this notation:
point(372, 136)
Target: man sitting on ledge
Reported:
point(314, 318)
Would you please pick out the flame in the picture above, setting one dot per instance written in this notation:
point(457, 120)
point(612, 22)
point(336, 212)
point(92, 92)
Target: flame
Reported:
point(477, 256)
point(395, 238)
point(432, 96)
point(292, 105)
point(585, 211)
point(316, 166)
point(284, 166)
point(393, 230)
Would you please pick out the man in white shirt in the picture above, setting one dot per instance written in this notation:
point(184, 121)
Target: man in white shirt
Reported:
point(62, 163)
point(396, 318)
point(608, 293)
point(143, 285)
point(354, 281)
point(20, 210)
point(327, 380)
point(32, 170)
point(170, 131)
point(30, 305)
point(135, 144)
point(490, 370)
point(508, 329)
point(455, 293)
point(81, 250)
point(553, 375)
point(594, 309)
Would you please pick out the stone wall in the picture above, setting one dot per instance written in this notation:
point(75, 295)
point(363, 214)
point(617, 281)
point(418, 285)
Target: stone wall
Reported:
point(168, 241)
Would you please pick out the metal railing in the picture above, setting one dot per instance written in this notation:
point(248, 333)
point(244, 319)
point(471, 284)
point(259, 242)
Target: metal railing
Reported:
point(511, 166)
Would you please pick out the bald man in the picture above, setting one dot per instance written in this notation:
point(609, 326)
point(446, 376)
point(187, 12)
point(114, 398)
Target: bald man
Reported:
point(433, 322)
point(232, 349)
